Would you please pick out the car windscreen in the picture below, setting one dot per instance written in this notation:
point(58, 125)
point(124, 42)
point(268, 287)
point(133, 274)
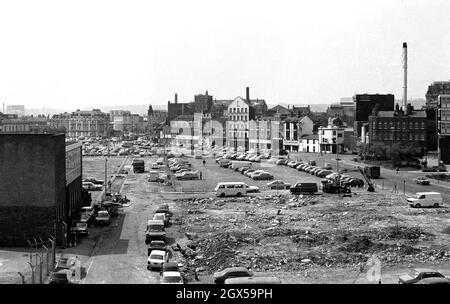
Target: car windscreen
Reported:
point(156, 257)
point(156, 227)
point(172, 279)
point(59, 276)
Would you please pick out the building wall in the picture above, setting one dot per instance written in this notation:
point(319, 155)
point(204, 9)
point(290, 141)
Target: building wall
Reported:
point(309, 145)
point(239, 115)
point(434, 90)
point(32, 185)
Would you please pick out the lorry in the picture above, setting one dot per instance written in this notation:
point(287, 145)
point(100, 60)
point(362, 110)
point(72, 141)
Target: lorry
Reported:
point(334, 186)
point(372, 171)
point(138, 166)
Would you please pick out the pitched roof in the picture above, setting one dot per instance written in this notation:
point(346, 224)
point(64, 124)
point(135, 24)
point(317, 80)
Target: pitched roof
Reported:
point(312, 136)
point(184, 117)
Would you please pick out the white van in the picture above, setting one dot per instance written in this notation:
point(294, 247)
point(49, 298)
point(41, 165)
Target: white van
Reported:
point(239, 164)
point(426, 199)
point(231, 189)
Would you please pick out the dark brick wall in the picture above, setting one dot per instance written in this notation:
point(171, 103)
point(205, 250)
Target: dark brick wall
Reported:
point(20, 222)
point(32, 185)
point(27, 170)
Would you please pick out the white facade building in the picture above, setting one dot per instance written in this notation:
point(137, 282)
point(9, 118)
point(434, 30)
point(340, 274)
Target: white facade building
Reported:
point(331, 137)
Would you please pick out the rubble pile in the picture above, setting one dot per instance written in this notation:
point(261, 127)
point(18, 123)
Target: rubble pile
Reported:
point(291, 233)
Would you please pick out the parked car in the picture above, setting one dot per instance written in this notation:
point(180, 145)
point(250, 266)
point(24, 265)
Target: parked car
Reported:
point(262, 176)
point(434, 281)
point(281, 162)
point(94, 181)
point(156, 245)
point(313, 171)
point(278, 184)
point(187, 175)
point(231, 272)
point(252, 189)
point(155, 231)
point(422, 180)
point(102, 218)
point(300, 187)
point(162, 216)
point(417, 274)
point(79, 228)
point(164, 208)
point(92, 187)
point(170, 274)
point(225, 163)
point(327, 166)
point(249, 172)
point(292, 164)
point(156, 259)
point(241, 157)
point(354, 182)
point(243, 169)
point(323, 173)
point(59, 277)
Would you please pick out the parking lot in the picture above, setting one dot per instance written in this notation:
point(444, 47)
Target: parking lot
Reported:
point(213, 174)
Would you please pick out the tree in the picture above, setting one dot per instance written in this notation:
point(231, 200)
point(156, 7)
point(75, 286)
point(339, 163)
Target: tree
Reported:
point(380, 150)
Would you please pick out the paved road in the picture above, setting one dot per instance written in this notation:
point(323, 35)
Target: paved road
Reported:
point(120, 256)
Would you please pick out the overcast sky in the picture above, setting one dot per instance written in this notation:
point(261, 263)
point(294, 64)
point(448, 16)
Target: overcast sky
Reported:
point(73, 54)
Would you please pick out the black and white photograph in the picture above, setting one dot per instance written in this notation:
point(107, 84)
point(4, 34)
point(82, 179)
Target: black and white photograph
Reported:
point(224, 143)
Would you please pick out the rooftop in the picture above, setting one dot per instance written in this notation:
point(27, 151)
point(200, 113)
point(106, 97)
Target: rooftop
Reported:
point(414, 113)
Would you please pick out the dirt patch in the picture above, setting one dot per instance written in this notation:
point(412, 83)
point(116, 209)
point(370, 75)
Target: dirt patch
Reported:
point(284, 233)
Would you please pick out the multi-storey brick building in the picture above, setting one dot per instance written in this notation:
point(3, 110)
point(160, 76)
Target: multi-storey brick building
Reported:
point(434, 90)
point(25, 124)
point(40, 187)
point(83, 123)
point(443, 126)
point(390, 127)
point(364, 104)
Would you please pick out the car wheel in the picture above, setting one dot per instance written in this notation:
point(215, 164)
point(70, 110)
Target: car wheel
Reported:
point(436, 205)
point(239, 194)
point(222, 194)
point(417, 205)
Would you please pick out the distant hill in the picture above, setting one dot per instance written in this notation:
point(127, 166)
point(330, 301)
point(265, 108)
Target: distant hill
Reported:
point(134, 109)
point(44, 111)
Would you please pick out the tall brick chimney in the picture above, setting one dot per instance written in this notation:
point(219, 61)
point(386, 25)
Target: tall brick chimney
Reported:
point(176, 98)
point(405, 75)
point(247, 94)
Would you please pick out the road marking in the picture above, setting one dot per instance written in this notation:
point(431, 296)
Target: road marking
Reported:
point(87, 271)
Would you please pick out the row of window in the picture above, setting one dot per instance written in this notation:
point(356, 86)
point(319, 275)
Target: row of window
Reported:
point(399, 136)
point(238, 134)
point(239, 117)
point(238, 110)
point(398, 125)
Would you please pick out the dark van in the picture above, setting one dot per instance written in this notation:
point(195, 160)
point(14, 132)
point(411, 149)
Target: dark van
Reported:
point(299, 188)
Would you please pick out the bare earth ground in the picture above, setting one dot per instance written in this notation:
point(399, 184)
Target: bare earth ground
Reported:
point(315, 239)
point(300, 239)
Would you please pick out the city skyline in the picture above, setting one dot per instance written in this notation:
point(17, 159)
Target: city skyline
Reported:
point(107, 54)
